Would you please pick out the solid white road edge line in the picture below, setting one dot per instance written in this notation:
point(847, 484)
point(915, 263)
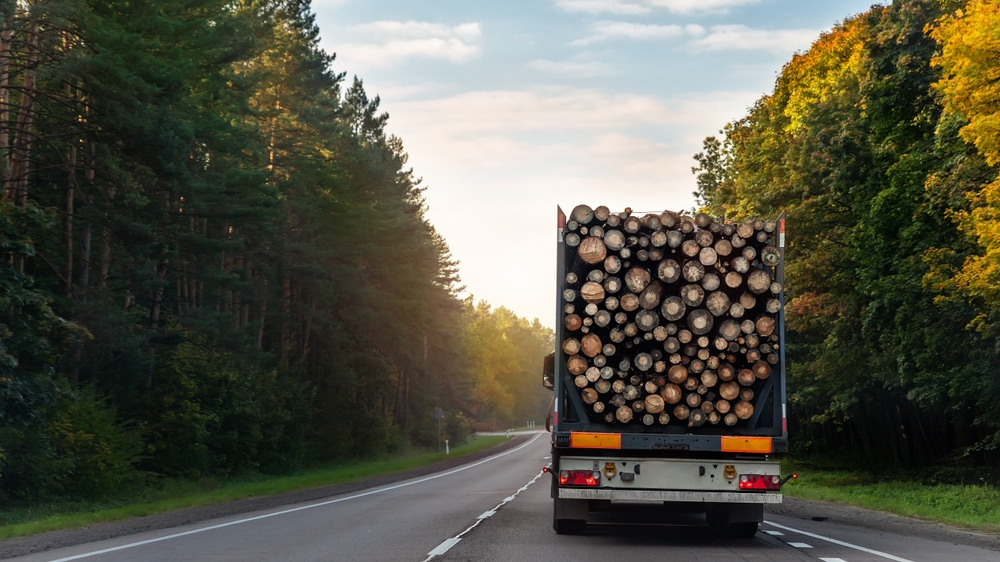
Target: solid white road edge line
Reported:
point(294, 509)
point(448, 543)
point(841, 543)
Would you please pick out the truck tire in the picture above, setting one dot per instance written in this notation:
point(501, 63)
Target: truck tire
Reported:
point(569, 526)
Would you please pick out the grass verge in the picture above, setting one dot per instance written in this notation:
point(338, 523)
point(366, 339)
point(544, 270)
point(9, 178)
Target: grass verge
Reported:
point(974, 507)
point(169, 495)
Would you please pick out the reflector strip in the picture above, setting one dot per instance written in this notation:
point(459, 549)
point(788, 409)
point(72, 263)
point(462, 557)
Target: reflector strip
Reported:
point(747, 445)
point(580, 440)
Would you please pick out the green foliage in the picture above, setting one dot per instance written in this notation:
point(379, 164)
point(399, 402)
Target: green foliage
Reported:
point(854, 146)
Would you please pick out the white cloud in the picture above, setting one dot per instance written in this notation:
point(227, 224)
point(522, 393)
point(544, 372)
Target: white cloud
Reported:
point(604, 30)
point(636, 7)
point(570, 68)
point(741, 37)
point(400, 41)
point(716, 38)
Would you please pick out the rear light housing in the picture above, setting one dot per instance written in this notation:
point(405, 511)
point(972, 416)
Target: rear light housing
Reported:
point(587, 478)
point(759, 482)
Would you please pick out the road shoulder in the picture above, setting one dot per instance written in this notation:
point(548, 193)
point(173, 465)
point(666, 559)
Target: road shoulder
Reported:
point(22, 546)
point(812, 510)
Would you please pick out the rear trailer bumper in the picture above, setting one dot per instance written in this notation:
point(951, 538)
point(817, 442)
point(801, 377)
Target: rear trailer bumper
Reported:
point(668, 496)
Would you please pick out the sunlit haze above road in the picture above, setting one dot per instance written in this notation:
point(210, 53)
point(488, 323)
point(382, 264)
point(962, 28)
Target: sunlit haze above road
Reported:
point(508, 109)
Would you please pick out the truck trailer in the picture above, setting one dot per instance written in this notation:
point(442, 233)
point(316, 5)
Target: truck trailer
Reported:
point(669, 372)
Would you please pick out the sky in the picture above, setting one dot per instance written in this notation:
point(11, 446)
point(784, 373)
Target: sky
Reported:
point(508, 109)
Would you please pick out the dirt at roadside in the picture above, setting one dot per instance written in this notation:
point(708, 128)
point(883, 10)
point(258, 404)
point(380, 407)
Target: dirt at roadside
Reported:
point(22, 546)
point(882, 521)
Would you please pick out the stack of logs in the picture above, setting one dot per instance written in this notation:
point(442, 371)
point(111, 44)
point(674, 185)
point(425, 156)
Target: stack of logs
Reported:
point(669, 318)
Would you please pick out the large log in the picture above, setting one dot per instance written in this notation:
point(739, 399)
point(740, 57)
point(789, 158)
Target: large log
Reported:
point(571, 346)
point(697, 418)
point(624, 414)
point(704, 238)
point(729, 390)
point(758, 281)
point(658, 239)
point(668, 271)
point(611, 303)
point(761, 370)
point(693, 400)
point(654, 404)
point(647, 320)
point(722, 406)
point(651, 387)
point(632, 225)
point(581, 381)
point(701, 321)
point(693, 271)
point(677, 374)
point(630, 393)
point(743, 410)
point(765, 325)
point(717, 303)
point(691, 384)
point(637, 279)
point(733, 279)
point(736, 310)
point(671, 393)
point(692, 294)
point(709, 378)
point(673, 309)
point(746, 394)
point(675, 238)
point(749, 252)
point(582, 214)
point(710, 282)
point(723, 248)
point(702, 220)
point(773, 306)
point(592, 292)
point(746, 377)
point(669, 219)
point(770, 256)
point(730, 330)
point(690, 248)
point(650, 297)
point(614, 240)
point(612, 264)
point(589, 395)
point(745, 230)
point(671, 345)
point(602, 213)
point(730, 419)
point(612, 285)
point(660, 333)
point(740, 264)
point(576, 365)
point(598, 407)
point(603, 386)
point(644, 362)
point(629, 302)
point(572, 322)
point(707, 256)
point(592, 250)
point(707, 406)
point(591, 345)
point(681, 412)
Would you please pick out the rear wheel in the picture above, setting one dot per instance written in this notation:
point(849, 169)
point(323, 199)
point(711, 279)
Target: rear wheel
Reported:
point(569, 526)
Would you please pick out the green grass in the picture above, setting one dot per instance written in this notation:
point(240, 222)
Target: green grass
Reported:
point(974, 507)
point(173, 494)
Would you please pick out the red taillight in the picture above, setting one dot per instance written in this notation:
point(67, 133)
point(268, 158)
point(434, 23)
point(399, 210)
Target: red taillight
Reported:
point(759, 482)
point(579, 478)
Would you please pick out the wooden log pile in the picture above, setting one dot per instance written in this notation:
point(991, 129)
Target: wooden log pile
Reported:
point(669, 318)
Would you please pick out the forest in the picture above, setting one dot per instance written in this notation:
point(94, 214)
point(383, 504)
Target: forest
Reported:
point(882, 143)
point(215, 260)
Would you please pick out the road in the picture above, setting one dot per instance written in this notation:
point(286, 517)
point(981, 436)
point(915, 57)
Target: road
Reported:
point(495, 509)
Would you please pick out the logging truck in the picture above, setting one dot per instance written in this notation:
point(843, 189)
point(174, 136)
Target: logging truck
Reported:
point(669, 372)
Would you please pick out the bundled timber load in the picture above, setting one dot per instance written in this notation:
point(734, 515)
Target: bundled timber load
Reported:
point(670, 319)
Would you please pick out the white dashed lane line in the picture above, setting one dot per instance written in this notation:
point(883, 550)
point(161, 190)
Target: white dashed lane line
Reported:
point(800, 545)
point(448, 543)
point(775, 533)
point(832, 560)
point(885, 555)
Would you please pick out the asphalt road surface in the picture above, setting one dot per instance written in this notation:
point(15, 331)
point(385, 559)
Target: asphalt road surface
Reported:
point(494, 509)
